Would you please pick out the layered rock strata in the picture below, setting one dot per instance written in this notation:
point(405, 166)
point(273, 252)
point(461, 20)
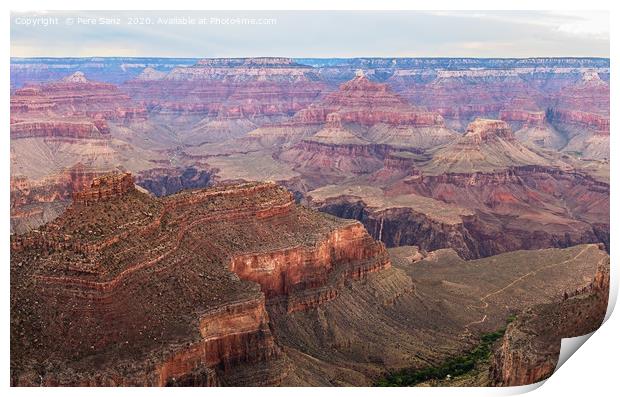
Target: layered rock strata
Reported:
point(483, 194)
point(73, 107)
point(530, 348)
point(191, 266)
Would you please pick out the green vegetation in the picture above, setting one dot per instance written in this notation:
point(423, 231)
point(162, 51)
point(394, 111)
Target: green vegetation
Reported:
point(454, 367)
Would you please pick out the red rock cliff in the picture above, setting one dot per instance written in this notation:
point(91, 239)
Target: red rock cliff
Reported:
point(148, 287)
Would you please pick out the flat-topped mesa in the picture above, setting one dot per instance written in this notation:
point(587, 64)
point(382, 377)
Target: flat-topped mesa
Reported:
point(104, 188)
point(245, 70)
point(481, 130)
point(248, 62)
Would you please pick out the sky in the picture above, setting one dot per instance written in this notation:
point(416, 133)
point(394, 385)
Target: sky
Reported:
point(320, 34)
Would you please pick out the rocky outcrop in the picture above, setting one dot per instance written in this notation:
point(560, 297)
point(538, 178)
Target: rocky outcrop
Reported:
point(522, 118)
point(105, 188)
point(487, 145)
point(530, 348)
point(367, 103)
point(73, 108)
point(501, 199)
point(516, 198)
point(191, 266)
point(233, 335)
point(597, 123)
point(358, 125)
point(473, 236)
point(298, 269)
point(95, 129)
point(534, 128)
point(426, 309)
point(397, 227)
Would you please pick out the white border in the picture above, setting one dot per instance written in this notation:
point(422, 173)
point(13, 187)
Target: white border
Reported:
point(592, 370)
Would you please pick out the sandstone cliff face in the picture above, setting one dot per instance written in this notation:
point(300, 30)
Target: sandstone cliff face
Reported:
point(328, 158)
point(499, 197)
point(105, 188)
point(403, 226)
point(534, 128)
point(190, 274)
point(299, 269)
point(232, 336)
point(60, 129)
point(530, 349)
point(425, 300)
point(597, 123)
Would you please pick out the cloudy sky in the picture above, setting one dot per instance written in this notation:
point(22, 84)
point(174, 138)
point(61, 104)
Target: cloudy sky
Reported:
point(310, 34)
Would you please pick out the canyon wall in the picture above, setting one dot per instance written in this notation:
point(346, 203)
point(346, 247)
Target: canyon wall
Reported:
point(530, 348)
point(169, 291)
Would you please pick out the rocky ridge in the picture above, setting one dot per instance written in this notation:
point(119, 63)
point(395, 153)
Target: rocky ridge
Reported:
point(114, 238)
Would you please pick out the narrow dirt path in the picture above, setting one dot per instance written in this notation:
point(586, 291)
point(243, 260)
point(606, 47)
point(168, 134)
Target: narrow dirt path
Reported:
point(483, 299)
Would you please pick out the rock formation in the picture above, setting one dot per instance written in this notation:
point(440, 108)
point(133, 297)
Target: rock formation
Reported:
point(486, 146)
point(534, 128)
point(238, 285)
point(103, 188)
point(483, 194)
point(71, 127)
point(221, 99)
point(530, 348)
point(358, 125)
point(190, 259)
point(69, 107)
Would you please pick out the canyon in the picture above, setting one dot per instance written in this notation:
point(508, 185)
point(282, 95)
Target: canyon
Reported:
point(482, 194)
point(65, 133)
point(238, 285)
point(303, 222)
point(326, 120)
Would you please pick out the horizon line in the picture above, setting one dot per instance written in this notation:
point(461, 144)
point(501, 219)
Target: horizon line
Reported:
point(308, 57)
